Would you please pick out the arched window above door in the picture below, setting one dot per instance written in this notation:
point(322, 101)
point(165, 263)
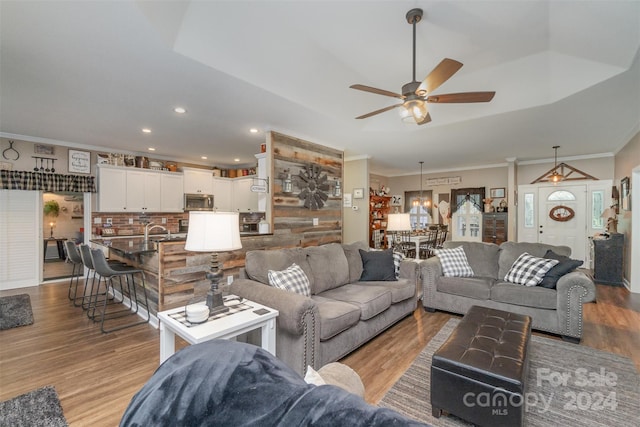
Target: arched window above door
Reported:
point(561, 195)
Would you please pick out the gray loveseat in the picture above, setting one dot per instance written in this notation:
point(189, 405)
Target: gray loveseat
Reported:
point(558, 310)
point(341, 314)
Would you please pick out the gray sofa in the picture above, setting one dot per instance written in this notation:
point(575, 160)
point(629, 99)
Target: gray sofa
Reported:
point(558, 311)
point(341, 314)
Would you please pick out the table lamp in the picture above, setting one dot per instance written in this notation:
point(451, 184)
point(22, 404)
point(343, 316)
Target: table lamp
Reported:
point(398, 222)
point(612, 220)
point(213, 232)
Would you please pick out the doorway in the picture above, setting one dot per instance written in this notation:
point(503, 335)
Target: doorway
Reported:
point(564, 214)
point(62, 220)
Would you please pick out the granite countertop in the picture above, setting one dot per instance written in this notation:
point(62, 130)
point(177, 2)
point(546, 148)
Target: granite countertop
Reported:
point(136, 245)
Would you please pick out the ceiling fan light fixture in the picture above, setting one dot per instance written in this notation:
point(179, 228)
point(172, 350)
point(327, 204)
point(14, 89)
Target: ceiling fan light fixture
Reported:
point(416, 108)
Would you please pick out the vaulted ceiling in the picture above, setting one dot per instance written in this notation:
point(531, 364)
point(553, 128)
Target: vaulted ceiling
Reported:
point(94, 73)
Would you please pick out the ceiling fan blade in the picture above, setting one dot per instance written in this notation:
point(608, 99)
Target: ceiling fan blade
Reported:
point(376, 91)
point(443, 71)
point(382, 110)
point(461, 97)
point(426, 119)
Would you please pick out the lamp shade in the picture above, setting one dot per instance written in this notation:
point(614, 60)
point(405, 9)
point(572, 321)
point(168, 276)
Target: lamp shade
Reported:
point(213, 231)
point(608, 213)
point(398, 222)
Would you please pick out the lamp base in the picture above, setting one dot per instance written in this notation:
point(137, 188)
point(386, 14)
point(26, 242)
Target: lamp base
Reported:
point(215, 303)
point(214, 296)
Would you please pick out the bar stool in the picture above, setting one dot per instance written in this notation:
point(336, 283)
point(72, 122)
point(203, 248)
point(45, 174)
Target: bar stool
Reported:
point(73, 257)
point(107, 274)
point(90, 299)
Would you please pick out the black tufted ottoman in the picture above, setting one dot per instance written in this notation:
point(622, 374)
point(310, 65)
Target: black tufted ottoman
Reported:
point(479, 373)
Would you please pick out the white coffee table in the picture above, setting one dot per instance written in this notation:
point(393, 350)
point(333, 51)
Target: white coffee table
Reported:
point(226, 327)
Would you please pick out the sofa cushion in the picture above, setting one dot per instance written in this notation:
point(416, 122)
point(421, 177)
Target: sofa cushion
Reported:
point(472, 287)
point(401, 290)
point(377, 265)
point(258, 263)
point(352, 252)
point(372, 300)
point(335, 316)
point(526, 296)
point(566, 265)
point(529, 270)
point(454, 262)
point(510, 251)
point(329, 267)
point(292, 279)
point(482, 257)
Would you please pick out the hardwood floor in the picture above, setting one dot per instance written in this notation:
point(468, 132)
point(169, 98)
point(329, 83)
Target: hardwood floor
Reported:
point(96, 375)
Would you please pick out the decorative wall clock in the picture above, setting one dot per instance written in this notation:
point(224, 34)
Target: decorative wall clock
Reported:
point(314, 187)
point(561, 213)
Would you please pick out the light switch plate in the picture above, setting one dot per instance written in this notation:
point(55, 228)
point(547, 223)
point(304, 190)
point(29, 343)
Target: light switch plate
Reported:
point(97, 220)
point(315, 221)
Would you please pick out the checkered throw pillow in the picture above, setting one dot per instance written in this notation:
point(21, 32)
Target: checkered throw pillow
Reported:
point(454, 262)
point(397, 260)
point(529, 270)
point(292, 279)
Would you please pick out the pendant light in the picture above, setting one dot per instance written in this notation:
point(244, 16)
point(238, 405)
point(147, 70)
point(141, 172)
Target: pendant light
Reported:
point(556, 176)
point(421, 201)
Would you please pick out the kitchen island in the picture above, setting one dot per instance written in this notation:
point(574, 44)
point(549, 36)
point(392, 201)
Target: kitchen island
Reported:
point(174, 276)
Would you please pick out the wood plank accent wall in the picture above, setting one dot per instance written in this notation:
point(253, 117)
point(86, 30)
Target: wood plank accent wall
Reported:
point(290, 216)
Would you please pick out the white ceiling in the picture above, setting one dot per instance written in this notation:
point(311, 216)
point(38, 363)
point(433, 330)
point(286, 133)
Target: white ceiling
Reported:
point(565, 73)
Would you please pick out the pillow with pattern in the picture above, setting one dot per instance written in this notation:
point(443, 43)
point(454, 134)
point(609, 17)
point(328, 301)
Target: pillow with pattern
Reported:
point(292, 279)
point(529, 270)
point(454, 262)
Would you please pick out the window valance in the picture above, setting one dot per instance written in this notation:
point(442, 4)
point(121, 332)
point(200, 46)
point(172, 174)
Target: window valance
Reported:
point(23, 180)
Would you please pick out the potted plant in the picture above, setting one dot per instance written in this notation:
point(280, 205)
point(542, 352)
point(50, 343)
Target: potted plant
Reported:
point(51, 208)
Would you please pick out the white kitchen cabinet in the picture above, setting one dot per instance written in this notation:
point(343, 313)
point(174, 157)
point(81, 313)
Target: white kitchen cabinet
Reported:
point(243, 199)
point(197, 181)
point(138, 190)
point(143, 191)
point(112, 189)
point(222, 188)
point(172, 196)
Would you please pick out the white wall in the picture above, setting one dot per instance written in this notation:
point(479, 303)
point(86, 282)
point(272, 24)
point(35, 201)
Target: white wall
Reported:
point(356, 222)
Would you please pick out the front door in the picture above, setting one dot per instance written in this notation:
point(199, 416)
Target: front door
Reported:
point(562, 218)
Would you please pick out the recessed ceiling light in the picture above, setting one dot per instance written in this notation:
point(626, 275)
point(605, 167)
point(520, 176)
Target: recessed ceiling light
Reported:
point(236, 160)
point(180, 110)
point(253, 130)
point(151, 149)
point(146, 130)
point(204, 157)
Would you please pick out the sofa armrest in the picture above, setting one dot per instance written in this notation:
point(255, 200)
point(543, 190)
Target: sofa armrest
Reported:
point(293, 308)
point(430, 270)
point(574, 289)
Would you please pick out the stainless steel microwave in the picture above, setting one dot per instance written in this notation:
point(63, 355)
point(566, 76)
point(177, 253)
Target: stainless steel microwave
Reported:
point(198, 202)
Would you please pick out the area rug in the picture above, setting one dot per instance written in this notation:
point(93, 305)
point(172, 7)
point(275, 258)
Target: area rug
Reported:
point(40, 407)
point(15, 310)
point(568, 384)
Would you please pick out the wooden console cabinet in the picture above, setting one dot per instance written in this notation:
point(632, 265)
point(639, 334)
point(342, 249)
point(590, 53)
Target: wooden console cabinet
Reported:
point(494, 227)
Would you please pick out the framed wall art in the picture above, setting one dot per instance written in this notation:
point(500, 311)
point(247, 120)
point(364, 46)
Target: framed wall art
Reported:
point(496, 193)
point(79, 161)
point(625, 196)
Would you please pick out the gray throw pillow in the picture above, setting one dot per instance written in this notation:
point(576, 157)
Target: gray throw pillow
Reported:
point(377, 265)
point(566, 265)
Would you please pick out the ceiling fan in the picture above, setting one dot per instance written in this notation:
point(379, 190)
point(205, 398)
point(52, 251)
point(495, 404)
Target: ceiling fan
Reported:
point(416, 94)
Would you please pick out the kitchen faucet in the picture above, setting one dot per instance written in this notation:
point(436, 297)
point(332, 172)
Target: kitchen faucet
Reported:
point(151, 226)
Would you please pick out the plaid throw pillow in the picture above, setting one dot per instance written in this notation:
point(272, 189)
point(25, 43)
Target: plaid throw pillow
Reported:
point(454, 262)
point(529, 270)
point(292, 279)
point(397, 259)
